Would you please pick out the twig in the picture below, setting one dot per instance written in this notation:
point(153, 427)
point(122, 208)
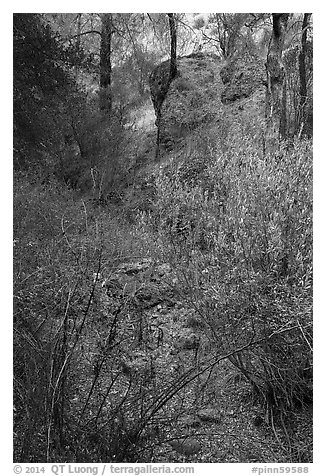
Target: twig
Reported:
point(52, 405)
point(303, 334)
point(64, 234)
point(85, 211)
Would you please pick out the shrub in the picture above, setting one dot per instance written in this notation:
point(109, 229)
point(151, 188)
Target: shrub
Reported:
point(90, 371)
point(243, 253)
point(61, 247)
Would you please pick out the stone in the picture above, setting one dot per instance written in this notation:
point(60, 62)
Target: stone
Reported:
point(242, 76)
point(209, 415)
point(258, 421)
point(163, 269)
point(186, 446)
point(186, 340)
point(184, 104)
point(191, 342)
point(136, 267)
point(159, 81)
point(193, 322)
point(190, 421)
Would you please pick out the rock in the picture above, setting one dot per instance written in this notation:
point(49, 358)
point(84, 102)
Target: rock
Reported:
point(189, 101)
point(134, 268)
point(163, 269)
point(186, 340)
point(242, 76)
point(124, 279)
point(191, 342)
point(131, 287)
point(194, 322)
point(190, 421)
point(209, 415)
point(159, 81)
point(187, 446)
point(258, 421)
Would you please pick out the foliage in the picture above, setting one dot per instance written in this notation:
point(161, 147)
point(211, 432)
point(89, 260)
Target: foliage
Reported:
point(57, 125)
point(40, 86)
point(293, 108)
point(61, 247)
point(93, 159)
point(241, 240)
point(229, 33)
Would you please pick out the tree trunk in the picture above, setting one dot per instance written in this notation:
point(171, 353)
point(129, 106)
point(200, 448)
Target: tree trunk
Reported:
point(77, 65)
point(302, 72)
point(275, 83)
point(165, 87)
point(173, 35)
point(283, 118)
point(105, 63)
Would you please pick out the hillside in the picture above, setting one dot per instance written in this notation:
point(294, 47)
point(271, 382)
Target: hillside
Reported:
point(199, 114)
point(162, 281)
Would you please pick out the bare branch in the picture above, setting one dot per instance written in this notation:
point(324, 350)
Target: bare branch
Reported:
point(83, 33)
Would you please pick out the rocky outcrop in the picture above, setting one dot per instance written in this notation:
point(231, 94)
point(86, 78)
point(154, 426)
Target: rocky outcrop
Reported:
point(141, 281)
point(242, 76)
point(159, 81)
point(189, 101)
point(208, 97)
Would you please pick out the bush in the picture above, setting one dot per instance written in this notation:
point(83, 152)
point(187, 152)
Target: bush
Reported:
point(242, 248)
point(61, 248)
point(91, 377)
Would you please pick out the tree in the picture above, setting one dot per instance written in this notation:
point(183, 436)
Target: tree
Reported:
point(162, 77)
point(105, 63)
point(77, 46)
point(122, 70)
point(302, 71)
point(224, 31)
point(173, 35)
point(41, 82)
point(275, 125)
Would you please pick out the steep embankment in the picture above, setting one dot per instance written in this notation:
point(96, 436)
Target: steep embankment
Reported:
point(208, 101)
point(207, 107)
point(206, 98)
point(192, 101)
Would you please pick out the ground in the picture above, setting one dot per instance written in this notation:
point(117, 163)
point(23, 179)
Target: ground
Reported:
point(212, 419)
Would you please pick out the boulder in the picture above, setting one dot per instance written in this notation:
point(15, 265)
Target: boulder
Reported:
point(207, 102)
point(190, 421)
point(209, 415)
point(189, 101)
point(242, 76)
point(186, 446)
